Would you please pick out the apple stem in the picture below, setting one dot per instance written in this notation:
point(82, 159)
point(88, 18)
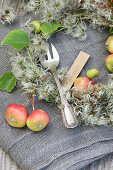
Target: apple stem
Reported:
point(33, 101)
point(29, 97)
point(96, 80)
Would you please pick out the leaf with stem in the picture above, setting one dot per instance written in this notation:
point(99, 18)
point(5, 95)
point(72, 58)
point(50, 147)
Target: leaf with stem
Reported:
point(49, 27)
point(17, 39)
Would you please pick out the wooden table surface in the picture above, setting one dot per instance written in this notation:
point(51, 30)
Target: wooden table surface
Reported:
point(6, 163)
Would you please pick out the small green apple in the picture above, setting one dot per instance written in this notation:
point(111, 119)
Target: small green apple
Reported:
point(93, 73)
point(109, 62)
point(109, 44)
point(36, 25)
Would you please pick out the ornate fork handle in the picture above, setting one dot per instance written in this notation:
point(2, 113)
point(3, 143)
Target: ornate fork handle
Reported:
point(69, 119)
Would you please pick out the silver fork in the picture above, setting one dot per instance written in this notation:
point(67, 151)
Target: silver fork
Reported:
point(51, 63)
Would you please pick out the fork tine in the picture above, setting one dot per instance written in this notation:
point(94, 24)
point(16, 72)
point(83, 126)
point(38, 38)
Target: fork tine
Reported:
point(43, 62)
point(48, 54)
point(55, 53)
point(53, 61)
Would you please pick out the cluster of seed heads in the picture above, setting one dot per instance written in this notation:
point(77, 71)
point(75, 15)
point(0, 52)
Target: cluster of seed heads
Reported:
point(91, 107)
point(68, 13)
point(94, 106)
point(7, 14)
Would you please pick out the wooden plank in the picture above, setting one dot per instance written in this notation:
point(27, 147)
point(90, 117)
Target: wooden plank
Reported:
point(6, 163)
point(75, 70)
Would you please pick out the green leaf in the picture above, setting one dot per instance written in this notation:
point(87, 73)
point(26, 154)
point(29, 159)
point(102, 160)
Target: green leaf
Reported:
point(7, 82)
point(49, 27)
point(17, 39)
point(111, 30)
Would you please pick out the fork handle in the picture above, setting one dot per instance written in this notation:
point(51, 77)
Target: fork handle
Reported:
point(68, 116)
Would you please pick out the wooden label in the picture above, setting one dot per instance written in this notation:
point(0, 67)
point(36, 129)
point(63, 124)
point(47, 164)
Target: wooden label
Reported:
point(75, 70)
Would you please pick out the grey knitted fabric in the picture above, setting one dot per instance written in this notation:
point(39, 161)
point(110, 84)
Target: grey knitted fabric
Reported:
point(55, 147)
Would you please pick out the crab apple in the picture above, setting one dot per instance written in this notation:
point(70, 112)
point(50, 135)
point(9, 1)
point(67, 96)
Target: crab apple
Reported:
point(36, 25)
point(110, 3)
point(16, 115)
point(109, 62)
point(109, 44)
point(82, 83)
point(93, 73)
point(37, 120)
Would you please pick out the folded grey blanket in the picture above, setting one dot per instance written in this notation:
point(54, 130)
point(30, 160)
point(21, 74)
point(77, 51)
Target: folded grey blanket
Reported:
point(55, 147)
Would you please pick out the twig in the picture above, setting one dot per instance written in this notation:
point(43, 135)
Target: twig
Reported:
point(78, 97)
point(33, 102)
point(64, 27)
point(29, 97)
point(44, 77)
point(30, 58)
point(18, 2)
point(2, 4)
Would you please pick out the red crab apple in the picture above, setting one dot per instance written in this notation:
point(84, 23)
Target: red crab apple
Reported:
point(109, 44)
point(16, 115)
point(110, 3)
point(37, 120)
point(82, 83)
point(109, 62)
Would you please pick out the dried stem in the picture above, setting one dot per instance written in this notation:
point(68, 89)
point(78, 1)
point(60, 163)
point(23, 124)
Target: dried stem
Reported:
point(17, 5)
point(30, 58)
point(44, 77)
point(2, 4)
point(29, 97)
point(78, 97)
point(33, 102)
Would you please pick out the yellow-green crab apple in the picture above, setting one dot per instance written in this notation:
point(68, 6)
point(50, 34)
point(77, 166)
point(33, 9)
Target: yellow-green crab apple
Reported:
point(16, 115)
point(36, 25)
point(37, 120)
point(82, 83)
point(109, 44)
point(109, 62)
point(93, 73)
